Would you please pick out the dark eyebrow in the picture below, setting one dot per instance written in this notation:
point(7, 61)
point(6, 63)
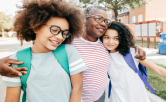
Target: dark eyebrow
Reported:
point(105, 35)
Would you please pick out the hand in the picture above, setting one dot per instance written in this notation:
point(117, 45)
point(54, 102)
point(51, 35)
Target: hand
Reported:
point(140, 53)
point(6, 70)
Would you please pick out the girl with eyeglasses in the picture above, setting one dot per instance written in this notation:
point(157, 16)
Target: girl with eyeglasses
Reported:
point(49, 23)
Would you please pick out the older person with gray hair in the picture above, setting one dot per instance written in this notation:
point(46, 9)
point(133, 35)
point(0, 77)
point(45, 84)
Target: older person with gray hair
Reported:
point(92, 51)
point(94, 54)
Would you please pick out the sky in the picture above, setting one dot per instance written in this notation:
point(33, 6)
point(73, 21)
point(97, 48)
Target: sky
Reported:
point(9, 6)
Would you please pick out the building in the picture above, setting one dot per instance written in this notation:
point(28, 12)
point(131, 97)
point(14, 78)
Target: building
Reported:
point(154, 10)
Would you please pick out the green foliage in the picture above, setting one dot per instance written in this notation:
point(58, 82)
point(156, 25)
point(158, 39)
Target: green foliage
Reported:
point(115, 5)
point(157, 82)
point(6, 22)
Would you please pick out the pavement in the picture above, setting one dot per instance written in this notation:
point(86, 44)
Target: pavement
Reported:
point(8, 46)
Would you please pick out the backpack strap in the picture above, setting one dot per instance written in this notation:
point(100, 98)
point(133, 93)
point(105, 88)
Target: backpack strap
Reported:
point(24, 56)
point(129, 60)
point(61, 55)
point(109, 87)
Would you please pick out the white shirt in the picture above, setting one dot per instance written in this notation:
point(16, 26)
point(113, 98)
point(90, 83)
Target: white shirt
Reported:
point(126, 84)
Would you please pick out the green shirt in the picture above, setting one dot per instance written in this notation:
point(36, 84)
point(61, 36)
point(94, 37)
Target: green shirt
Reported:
point(48, 81)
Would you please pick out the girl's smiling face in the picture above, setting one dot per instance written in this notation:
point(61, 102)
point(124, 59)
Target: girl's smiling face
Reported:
point(111, 40)
point(45, 40)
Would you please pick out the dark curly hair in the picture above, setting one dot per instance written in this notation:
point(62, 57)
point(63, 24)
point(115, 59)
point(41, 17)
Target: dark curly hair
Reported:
point(35, 13)
point(126, 39)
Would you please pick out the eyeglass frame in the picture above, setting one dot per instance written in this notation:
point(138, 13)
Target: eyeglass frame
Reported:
point(59, 31)
point(101, 21)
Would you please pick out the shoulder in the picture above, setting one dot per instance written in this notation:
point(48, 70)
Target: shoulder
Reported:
point(70, 48)
point(13, 56)
point(132, 50)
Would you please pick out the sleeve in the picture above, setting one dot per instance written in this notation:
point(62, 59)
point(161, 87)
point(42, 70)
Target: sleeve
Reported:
point(132, 50)
point(11, 81)
point(76, 64)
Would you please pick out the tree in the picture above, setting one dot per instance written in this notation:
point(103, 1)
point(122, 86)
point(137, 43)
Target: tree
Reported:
point(6, 22)
point(116, 5)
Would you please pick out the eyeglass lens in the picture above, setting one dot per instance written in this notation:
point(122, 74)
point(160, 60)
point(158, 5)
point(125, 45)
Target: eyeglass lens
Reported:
point(100, 19)
point(56, 30)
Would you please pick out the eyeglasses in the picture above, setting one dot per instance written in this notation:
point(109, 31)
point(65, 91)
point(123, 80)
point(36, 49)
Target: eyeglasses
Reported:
point(100, 19)
point(56, 30)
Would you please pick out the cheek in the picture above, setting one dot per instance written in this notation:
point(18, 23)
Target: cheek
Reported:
point(117, 42)
point(105, 42)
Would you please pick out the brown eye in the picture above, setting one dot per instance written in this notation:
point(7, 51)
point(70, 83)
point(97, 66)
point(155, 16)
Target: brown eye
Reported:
point(116, 38)
point(55, 30)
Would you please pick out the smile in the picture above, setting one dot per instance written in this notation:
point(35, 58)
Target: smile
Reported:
point(54, 43)
point(101, 29)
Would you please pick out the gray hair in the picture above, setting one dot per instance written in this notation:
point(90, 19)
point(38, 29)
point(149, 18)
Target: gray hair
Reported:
point(89, 10)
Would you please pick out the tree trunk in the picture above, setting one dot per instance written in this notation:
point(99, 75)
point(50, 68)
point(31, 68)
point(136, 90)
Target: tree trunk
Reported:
point(116, 15)
point(3, 34)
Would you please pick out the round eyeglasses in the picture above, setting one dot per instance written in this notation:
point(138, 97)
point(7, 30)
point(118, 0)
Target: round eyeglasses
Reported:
point(100, 19)
point(56, 30)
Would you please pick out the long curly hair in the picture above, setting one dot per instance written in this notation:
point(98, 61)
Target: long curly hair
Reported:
point(35, 13)
point(126, 39)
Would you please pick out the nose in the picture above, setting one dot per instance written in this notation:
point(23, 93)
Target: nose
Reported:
point(103, 23)
point(111, 41)
point(59, 36)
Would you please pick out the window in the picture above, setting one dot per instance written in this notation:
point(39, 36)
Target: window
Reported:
point(133, 19)
point(140, 18)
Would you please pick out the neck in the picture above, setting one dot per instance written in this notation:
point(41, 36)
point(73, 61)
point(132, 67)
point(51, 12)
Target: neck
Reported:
point(113, 51)
point(88, 37)
point(38, 48)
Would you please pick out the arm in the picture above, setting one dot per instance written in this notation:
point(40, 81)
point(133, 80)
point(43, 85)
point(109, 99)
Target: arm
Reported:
point(6, 70)
point(157, 69)
point(140, 53)
point(13, 94)
point(76, 93)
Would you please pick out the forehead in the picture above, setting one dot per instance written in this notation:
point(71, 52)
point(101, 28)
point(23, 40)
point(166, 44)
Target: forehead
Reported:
point(100, 12)
point(111, 32)
point(61, 22)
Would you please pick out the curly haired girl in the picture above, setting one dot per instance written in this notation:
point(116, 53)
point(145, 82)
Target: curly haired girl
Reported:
point(127, 86)
point(50, 23)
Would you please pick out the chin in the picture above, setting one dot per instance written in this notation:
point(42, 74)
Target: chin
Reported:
point(99, 35)
point(51, 48)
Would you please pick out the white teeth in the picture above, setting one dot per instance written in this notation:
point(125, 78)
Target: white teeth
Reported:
point(55, 42)
point(101, 29)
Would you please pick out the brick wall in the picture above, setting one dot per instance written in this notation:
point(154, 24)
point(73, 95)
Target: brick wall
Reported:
point(156, 10)
point(136, 12)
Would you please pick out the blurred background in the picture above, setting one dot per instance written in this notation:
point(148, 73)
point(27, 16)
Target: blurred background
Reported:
point(145, 18)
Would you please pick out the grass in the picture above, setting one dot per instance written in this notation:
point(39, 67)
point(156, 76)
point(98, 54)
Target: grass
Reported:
point(138, 42)
point(157, 82)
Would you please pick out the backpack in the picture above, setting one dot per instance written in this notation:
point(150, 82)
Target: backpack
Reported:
point(25, 56)
point(142, 72)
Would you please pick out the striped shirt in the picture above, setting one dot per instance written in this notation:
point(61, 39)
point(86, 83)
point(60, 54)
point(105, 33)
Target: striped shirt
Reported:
point(96, 58)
